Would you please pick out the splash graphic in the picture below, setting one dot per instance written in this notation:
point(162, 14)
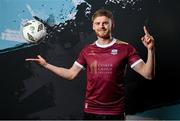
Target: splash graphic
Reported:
point(134, 4)
point(57, 14)
point(52, 13)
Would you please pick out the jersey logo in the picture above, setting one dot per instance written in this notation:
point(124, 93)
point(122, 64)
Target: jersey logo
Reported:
point(114, 51)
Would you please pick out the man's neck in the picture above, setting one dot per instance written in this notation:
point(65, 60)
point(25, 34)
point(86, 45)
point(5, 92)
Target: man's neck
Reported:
point(104, 41)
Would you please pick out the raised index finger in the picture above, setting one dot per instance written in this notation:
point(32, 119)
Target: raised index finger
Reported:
point(145, 30)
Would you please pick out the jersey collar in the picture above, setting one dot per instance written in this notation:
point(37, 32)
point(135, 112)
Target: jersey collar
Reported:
point(107, 45)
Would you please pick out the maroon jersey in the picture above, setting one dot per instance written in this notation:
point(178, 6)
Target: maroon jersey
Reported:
point(105, 66)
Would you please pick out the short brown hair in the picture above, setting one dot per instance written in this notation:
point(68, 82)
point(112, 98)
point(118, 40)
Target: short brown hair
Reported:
point(102, 12)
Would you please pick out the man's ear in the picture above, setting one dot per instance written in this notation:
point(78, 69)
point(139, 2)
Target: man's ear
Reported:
point(92, 26)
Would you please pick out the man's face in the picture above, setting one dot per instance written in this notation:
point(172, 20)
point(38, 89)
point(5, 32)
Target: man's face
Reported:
point(102, 26)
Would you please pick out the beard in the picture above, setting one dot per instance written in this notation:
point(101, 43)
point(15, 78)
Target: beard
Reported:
point(103, 33)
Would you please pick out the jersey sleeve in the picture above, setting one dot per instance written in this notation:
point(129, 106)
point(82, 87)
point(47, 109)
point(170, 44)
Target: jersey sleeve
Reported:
point(133, 57)
point(81, 61)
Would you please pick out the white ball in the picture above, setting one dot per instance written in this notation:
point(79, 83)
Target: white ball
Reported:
point(33, 31)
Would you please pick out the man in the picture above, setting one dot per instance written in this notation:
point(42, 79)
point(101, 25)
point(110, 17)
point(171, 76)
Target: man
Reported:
point(105, 61)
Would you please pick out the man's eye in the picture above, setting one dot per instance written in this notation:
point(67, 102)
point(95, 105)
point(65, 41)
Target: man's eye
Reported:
point(105, 23)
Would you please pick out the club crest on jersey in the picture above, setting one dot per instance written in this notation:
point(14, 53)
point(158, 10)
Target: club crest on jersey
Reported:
point(114, 51)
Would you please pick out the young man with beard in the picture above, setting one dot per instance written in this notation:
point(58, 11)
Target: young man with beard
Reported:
point(105, 61)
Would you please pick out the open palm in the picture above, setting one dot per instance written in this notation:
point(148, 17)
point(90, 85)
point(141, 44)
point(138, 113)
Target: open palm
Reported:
point(38, 60)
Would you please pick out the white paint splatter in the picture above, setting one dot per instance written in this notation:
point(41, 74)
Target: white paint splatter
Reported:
point(71, 16)
point(76, 3)
point(30, 10)
point(124, 3)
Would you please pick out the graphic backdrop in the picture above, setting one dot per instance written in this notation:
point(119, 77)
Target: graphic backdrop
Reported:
point(31, 92)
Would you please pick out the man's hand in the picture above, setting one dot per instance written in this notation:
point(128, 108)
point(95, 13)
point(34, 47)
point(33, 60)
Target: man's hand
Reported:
point(38, 60)
point(147, 39)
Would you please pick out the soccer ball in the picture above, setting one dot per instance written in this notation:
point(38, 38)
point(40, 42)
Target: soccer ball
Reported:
point(33, 31)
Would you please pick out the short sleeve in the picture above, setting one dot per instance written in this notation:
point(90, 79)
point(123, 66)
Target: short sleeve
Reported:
point(133, 57)
point(81, 61)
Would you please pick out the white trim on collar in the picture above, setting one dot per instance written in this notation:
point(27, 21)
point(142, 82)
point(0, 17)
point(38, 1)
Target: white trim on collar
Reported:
point(107, 45)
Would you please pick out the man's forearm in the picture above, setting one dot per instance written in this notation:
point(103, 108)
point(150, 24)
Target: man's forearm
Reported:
point(150, 64)
point(62, 72)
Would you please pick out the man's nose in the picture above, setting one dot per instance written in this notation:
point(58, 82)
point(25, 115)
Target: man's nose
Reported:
point(101, 25)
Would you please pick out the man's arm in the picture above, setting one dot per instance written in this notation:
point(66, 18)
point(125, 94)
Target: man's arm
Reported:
point(68, 74)
point(147, 69)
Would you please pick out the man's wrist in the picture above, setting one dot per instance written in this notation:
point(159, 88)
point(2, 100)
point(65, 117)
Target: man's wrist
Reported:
point(151, 51)
point(44, 64)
